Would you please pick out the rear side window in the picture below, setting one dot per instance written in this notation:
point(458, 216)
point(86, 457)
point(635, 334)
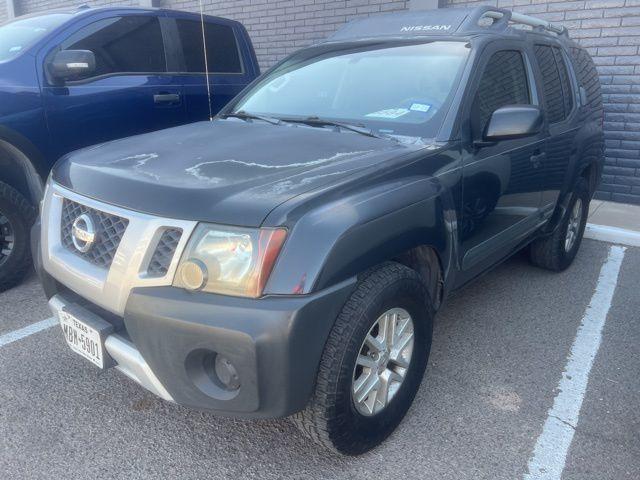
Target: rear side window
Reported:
point(123, 45)
point(222, 48)
point(504, 82)
point(557, 89)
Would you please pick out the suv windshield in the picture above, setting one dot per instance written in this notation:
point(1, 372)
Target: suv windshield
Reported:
point(400, 88)
point(16, 36)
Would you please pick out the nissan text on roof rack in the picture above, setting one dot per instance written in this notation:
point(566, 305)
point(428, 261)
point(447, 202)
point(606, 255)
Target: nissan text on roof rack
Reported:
point(288, 257)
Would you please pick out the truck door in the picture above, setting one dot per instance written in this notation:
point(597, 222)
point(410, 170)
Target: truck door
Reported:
point(502, 182)
point(231, 63)
point(559, 100)
point(129, 92)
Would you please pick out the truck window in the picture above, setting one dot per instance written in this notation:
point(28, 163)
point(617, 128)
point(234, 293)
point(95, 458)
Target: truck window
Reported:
point(122, 45)
point(222, 48)
point(20, 34)
point(504, 82)
point(557, 89)
point(394, 88)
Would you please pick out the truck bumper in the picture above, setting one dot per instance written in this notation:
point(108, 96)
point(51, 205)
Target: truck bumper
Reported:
point(171, 338)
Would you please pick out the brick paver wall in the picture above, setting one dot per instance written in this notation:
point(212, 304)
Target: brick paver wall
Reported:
point(609, 29)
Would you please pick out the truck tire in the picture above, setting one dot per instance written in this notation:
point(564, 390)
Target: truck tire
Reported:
point(16, 218)
point(557, 251)
point(349, 411)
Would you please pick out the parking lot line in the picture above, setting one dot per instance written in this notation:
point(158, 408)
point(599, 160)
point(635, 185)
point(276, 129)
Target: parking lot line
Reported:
point(16, 335)
point(550, 452)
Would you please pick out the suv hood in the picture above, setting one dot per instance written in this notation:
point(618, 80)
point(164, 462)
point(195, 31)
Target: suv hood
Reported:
point(227, 171)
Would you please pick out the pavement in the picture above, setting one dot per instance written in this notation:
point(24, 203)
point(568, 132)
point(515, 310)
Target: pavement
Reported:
point(505, 348)
point(614, 222)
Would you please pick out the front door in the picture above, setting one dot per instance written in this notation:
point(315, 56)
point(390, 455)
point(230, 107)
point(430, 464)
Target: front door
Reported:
point(502, 182)
point(129, 93)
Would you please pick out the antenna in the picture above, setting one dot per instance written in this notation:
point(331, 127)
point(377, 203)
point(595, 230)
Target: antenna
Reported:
point(206, 61)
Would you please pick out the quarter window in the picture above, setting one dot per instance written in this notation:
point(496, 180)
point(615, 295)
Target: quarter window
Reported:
point(504, 82)
point(222, 49)
point(123, 45)
point(557, 90)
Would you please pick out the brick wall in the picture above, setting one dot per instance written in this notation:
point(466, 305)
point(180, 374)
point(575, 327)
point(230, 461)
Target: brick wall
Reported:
point(279, 27)
point(24, 7)
point(609, 29)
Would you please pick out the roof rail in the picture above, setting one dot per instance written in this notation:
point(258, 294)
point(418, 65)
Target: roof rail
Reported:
point(519, 18)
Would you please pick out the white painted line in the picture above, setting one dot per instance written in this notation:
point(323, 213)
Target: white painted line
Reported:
point(550, 453)
point(603, 233)
point(16, 335)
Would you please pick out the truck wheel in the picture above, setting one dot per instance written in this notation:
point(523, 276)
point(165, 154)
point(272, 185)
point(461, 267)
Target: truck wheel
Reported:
point(373, 362)
point(16, 217)
point(556, 252)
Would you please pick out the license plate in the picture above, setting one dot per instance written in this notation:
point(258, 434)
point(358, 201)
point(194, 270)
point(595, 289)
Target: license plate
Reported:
point(82, 338)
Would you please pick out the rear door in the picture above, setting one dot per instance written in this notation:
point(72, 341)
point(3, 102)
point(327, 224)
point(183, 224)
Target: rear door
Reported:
point(502, 182)
point(560, 102)
point(230, 62)
point(129, 93)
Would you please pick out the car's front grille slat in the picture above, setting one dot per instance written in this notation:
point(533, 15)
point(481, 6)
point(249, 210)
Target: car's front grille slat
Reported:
point(164, 252)
point(109, 228)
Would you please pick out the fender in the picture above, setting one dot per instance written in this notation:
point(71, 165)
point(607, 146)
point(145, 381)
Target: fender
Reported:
point(27, 159)
point(589, 143)
point(345, 237)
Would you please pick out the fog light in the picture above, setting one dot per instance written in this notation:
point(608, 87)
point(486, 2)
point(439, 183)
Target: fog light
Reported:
point(227, 373)
point(193, 274)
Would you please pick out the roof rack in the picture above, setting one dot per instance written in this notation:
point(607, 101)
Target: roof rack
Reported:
point(519, 18)
point(440, 22)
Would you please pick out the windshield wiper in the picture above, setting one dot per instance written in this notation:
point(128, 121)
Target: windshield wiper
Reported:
point(252, 116)
point(362, 130)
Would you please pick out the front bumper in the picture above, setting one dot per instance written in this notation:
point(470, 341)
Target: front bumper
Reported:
point(275, 343)
point(167, 339)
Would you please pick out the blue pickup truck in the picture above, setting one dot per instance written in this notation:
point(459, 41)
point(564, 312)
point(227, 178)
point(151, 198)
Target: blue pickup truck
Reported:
point(75, 78)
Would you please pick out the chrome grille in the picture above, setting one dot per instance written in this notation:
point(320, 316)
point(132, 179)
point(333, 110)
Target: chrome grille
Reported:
point(110, 229)
point(163, 254)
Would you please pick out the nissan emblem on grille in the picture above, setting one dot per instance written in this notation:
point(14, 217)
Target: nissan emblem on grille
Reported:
point(83, 233)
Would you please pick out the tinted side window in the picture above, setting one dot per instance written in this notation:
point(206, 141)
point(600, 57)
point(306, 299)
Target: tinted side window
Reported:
point(557, 90)
point(504, 82)
point(222, 49)
point(123, 45)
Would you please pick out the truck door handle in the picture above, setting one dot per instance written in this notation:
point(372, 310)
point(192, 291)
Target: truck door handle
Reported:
point(166, 98)
point(537, 158)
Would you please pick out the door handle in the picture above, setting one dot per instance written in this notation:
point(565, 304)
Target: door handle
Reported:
point(166, 98)
point(537, 158)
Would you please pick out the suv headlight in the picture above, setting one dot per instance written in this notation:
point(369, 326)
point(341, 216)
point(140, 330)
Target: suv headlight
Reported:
point(229, 260)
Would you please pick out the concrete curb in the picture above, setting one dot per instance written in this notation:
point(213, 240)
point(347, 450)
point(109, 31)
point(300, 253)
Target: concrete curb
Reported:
point(612, 234)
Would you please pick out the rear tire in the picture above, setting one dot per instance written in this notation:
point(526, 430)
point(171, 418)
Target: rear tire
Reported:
point(16, 218)
point(333, 417)
point(556, 252)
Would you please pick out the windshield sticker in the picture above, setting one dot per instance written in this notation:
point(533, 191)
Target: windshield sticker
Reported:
point(420, 107)
point(389, 113)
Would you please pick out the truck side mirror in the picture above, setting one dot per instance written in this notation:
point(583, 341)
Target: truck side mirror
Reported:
point(70, 64)
point(513, 121)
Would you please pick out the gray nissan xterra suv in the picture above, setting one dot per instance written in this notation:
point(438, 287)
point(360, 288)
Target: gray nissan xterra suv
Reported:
point(288, 257)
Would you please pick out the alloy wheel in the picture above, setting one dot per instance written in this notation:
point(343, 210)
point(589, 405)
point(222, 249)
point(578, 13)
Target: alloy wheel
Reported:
point(573, 227)
point(7, 238)
point(383, 361)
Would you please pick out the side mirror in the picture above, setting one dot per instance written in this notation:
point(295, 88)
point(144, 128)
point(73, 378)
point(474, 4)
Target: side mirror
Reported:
point(513, 121)
point(70, 64)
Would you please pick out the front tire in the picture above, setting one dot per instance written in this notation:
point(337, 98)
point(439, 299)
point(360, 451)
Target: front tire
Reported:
point(557, 251)
point(16, 218)
point(381, 339)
